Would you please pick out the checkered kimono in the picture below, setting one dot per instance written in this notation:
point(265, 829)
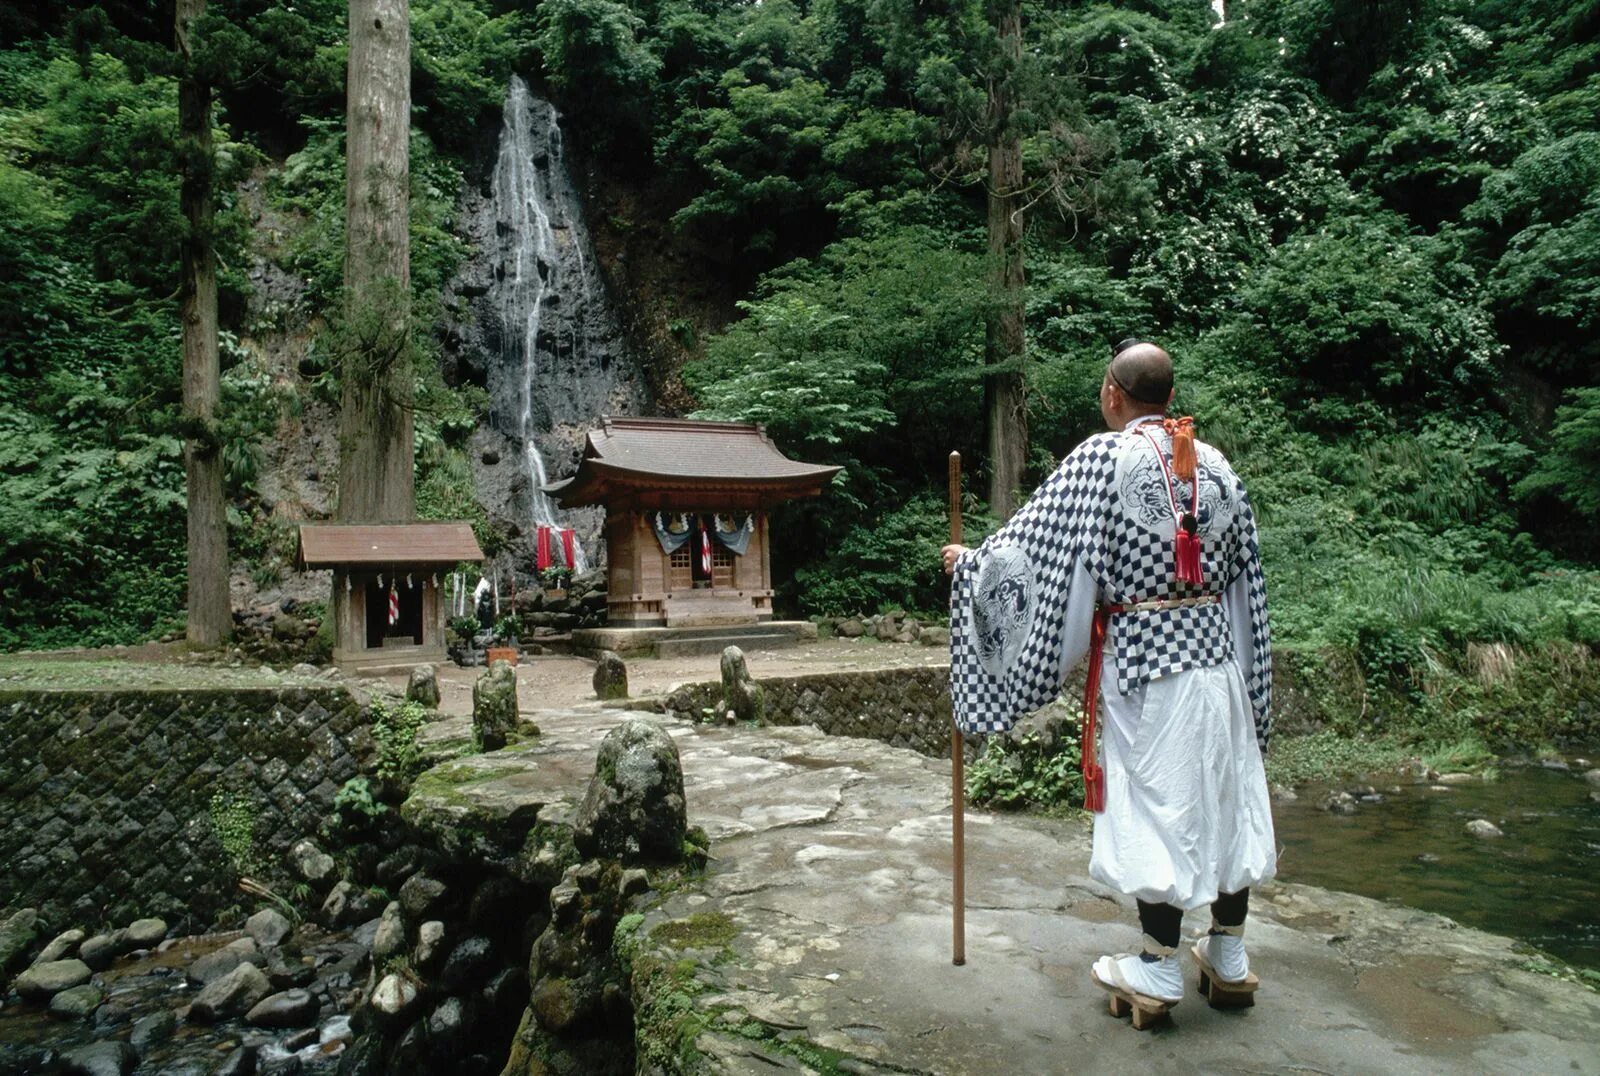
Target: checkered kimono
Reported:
point(1101, 529)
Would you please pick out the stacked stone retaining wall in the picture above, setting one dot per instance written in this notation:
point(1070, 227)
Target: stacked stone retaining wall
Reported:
point(111, 801)
point(908, 707)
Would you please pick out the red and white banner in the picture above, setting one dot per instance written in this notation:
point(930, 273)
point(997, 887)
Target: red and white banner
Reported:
point(705, 549)
point(394, 604)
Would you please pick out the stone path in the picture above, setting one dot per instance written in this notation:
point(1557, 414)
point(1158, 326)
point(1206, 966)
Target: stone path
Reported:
point(832, 860)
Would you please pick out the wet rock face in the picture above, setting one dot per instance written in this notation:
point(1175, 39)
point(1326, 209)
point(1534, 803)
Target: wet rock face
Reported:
point(634, 807)
point(533, 323)
point(494, 706)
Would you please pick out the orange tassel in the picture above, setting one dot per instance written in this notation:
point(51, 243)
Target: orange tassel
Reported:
point(1181, 430)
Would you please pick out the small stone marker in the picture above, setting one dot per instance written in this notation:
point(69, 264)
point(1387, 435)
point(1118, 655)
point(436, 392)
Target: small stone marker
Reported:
point(634, 807)
point(423, 686)
point(740, 693)
point(1482, 827)
point(494, 706)
point(610, 676)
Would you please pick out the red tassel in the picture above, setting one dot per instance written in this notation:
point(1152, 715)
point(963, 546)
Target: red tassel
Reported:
point(1094, 788)
point(1189, 570)
point(1094, 777)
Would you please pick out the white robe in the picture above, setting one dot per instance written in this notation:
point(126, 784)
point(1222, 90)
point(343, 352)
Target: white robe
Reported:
point(1187, 812)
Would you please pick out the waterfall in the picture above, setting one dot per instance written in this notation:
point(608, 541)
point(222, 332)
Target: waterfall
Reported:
point(528, 276)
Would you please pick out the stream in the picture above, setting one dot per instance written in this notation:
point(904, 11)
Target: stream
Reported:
point(1539, 883)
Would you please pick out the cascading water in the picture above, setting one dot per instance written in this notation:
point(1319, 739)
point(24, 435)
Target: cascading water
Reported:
point(531, 321)
point(529, 261)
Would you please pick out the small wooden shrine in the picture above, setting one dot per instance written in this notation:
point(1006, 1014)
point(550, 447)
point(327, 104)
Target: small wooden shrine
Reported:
point(387, 609)
point(686, 517)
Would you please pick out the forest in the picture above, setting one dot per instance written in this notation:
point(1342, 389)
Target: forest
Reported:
point(1368, 232)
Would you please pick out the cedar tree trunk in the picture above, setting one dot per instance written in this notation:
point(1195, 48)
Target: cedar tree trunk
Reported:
point(375, 417)
point(1005, 411)
point(210, 618)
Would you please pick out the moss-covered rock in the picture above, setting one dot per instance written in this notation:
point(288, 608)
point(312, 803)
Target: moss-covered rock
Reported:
point(494, 706)
point(634, 807)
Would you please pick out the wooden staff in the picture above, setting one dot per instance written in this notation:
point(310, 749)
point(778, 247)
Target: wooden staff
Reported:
point(958, 781)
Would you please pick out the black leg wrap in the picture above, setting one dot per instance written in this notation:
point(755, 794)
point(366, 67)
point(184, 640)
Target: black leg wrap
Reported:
point(1162, 922)
point(1229, 909)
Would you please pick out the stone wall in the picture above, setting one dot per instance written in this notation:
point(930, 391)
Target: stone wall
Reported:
point(907, 707)
point(111, 801)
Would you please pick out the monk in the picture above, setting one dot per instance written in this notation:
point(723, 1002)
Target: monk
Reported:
point(1139, 553)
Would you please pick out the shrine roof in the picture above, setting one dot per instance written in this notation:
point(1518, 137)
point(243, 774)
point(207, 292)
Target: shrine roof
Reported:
point(331, 545)
point(643, 453)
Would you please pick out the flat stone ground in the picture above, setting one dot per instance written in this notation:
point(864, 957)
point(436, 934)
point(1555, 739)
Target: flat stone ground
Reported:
point(832, 857)
point(548, 680)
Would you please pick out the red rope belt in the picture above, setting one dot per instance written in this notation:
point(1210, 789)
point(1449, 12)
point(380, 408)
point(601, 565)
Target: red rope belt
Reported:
point(1094, 777)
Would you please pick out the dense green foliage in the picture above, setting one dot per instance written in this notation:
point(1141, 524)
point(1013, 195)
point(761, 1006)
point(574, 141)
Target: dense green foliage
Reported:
point(1365, 231)
point(1369, 232)
point(91, 443)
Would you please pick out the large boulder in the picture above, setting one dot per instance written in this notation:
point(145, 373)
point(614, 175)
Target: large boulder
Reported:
point(423, 686)
point(610, 676)
point(78, 1003)
point(109, 1058)
point(310, 862)
point(61, 946)
point(146, 933)
point(740, 693)
point(235, 994)
point(390, 936)
point(16, 936)
point(214, 965)
point(634, 807)
point(291, 1008)
point(44, 981)
point(494, 706)
point(268, 927)
point(99, 951)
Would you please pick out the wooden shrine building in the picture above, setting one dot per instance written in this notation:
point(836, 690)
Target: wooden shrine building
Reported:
point(686, 517)
point(387, 609)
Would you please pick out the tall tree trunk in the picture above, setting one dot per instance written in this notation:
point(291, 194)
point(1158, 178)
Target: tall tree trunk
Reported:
point(375, 419)
point(1004, 394)
point(210, 618)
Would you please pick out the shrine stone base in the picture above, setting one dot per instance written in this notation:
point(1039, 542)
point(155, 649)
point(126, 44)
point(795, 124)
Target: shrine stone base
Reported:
point(688, 642)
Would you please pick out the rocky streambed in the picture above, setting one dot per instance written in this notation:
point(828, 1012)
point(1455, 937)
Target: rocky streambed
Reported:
point(269, 998)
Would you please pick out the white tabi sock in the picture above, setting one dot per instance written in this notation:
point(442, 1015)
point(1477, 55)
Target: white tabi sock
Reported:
point(1223, 949)
point(1161, 978)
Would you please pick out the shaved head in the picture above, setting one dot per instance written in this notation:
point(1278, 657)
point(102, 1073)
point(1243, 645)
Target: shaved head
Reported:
point(1143, 372)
